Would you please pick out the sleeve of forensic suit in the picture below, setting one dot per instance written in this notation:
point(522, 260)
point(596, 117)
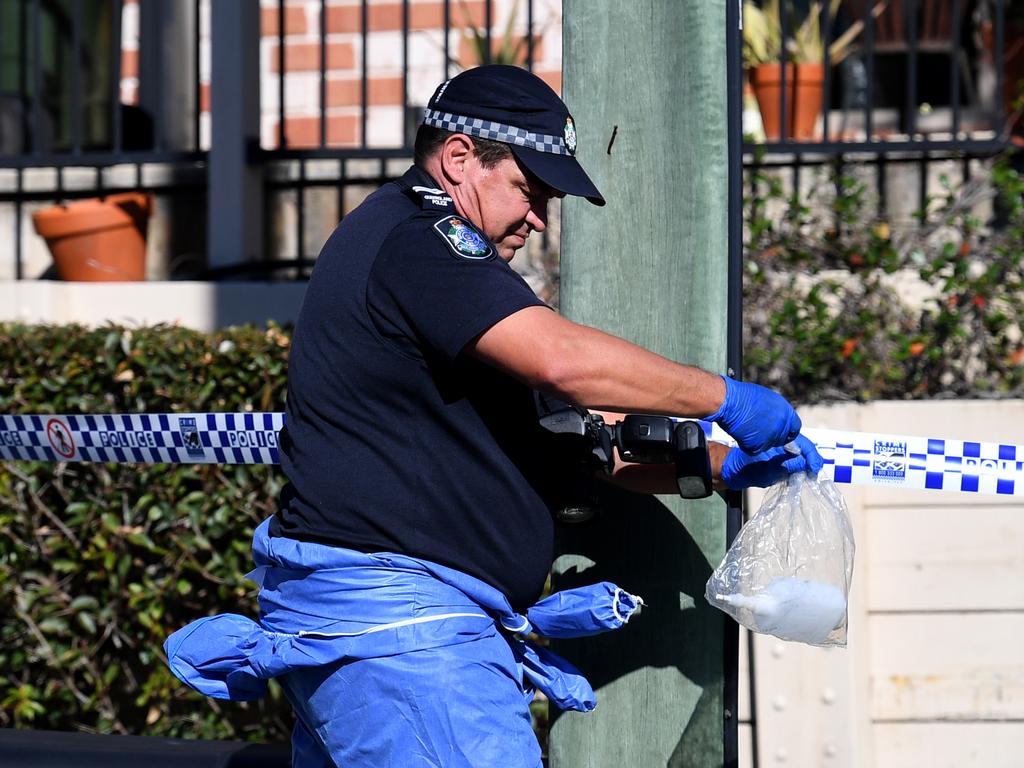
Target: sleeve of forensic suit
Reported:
point(431, 289)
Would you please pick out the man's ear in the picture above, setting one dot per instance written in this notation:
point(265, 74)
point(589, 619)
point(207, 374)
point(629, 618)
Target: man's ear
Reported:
point(456, 152)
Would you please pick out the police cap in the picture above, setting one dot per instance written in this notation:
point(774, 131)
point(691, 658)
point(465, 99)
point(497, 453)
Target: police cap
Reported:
point(513, 106)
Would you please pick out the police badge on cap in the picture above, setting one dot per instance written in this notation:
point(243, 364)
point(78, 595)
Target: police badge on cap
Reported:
point(570, 135)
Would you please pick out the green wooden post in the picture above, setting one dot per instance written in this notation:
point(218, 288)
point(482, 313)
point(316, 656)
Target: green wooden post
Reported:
point(647, 84)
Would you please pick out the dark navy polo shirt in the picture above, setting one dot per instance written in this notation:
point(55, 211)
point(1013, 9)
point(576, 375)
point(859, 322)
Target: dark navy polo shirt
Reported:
point(394, 440)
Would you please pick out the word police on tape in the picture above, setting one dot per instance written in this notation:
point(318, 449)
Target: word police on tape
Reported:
point(169, 438)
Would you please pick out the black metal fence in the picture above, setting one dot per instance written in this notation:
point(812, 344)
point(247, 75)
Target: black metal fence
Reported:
point(928, 75)
point(61, 85)
point(86, 110)
point(70, 127)
point(66, 130)
point(898, 85)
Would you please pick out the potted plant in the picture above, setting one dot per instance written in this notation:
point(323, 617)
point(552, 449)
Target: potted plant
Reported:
point(98, 240)
point(763, 42)
point(509, 48)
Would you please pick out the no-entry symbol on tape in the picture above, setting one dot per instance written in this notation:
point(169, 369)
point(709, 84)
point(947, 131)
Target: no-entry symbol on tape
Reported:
point(60, 438)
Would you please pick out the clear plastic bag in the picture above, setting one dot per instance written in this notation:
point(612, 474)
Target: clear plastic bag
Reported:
point(788, 573)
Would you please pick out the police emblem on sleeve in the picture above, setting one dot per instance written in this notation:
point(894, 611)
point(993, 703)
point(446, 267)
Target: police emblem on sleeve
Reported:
point(570, 135)
point(463, 238)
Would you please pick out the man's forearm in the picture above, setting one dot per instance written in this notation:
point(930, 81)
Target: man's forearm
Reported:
point(594, 369)
point(599, 371)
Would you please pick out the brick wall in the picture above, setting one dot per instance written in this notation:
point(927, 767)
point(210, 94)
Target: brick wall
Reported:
point(383, 54)
point(344, 60)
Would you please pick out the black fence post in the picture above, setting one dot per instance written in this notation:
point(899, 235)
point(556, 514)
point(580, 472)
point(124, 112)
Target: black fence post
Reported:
point(235, 207)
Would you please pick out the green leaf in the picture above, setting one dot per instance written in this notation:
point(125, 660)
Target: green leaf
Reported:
point(84, 602)
point(86, 621)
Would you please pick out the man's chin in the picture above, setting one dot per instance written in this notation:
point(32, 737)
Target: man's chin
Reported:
point(509, 247)
point(507, 252)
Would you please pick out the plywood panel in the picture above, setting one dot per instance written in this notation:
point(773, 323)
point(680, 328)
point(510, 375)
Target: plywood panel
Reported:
point(746, 728)
point(932, 557)
point(906, 668)
point(955, 666)
point(744, 676)
point(745, 756)
point(949, 745)
point(809, 705)
point(952, 419)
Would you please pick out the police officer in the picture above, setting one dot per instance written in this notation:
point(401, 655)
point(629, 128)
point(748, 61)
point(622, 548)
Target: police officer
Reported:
point(418, 516)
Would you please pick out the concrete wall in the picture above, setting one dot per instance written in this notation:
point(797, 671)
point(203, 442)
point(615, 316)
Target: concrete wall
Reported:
point(934, 671)
point(204, 306)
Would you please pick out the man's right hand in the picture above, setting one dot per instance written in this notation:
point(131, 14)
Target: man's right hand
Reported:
point(756, 417)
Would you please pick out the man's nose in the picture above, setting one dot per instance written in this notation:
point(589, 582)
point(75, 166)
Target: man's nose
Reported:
point(537, 218)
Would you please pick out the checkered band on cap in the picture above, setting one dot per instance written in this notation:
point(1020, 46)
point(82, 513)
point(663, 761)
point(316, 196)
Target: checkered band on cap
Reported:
point(486, 129)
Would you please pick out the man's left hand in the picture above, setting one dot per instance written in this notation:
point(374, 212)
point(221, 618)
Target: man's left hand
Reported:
point(743, 470)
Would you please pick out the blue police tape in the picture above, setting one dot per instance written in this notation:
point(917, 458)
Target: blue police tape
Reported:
point(164, 438)
point(856, 458)
point(903, 461)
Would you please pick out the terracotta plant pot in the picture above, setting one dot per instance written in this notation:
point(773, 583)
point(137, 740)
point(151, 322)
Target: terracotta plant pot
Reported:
point(98, 240)
point(803, 98)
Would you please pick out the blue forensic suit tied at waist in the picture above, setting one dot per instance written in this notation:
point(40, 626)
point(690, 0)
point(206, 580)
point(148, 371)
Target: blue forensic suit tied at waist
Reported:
point(322, 604)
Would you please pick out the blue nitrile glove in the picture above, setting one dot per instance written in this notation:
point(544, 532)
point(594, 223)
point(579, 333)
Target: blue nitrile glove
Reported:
point(756, 417)
point(742, 470)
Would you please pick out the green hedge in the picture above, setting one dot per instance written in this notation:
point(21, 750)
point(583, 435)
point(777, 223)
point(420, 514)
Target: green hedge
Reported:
point(98, 563)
